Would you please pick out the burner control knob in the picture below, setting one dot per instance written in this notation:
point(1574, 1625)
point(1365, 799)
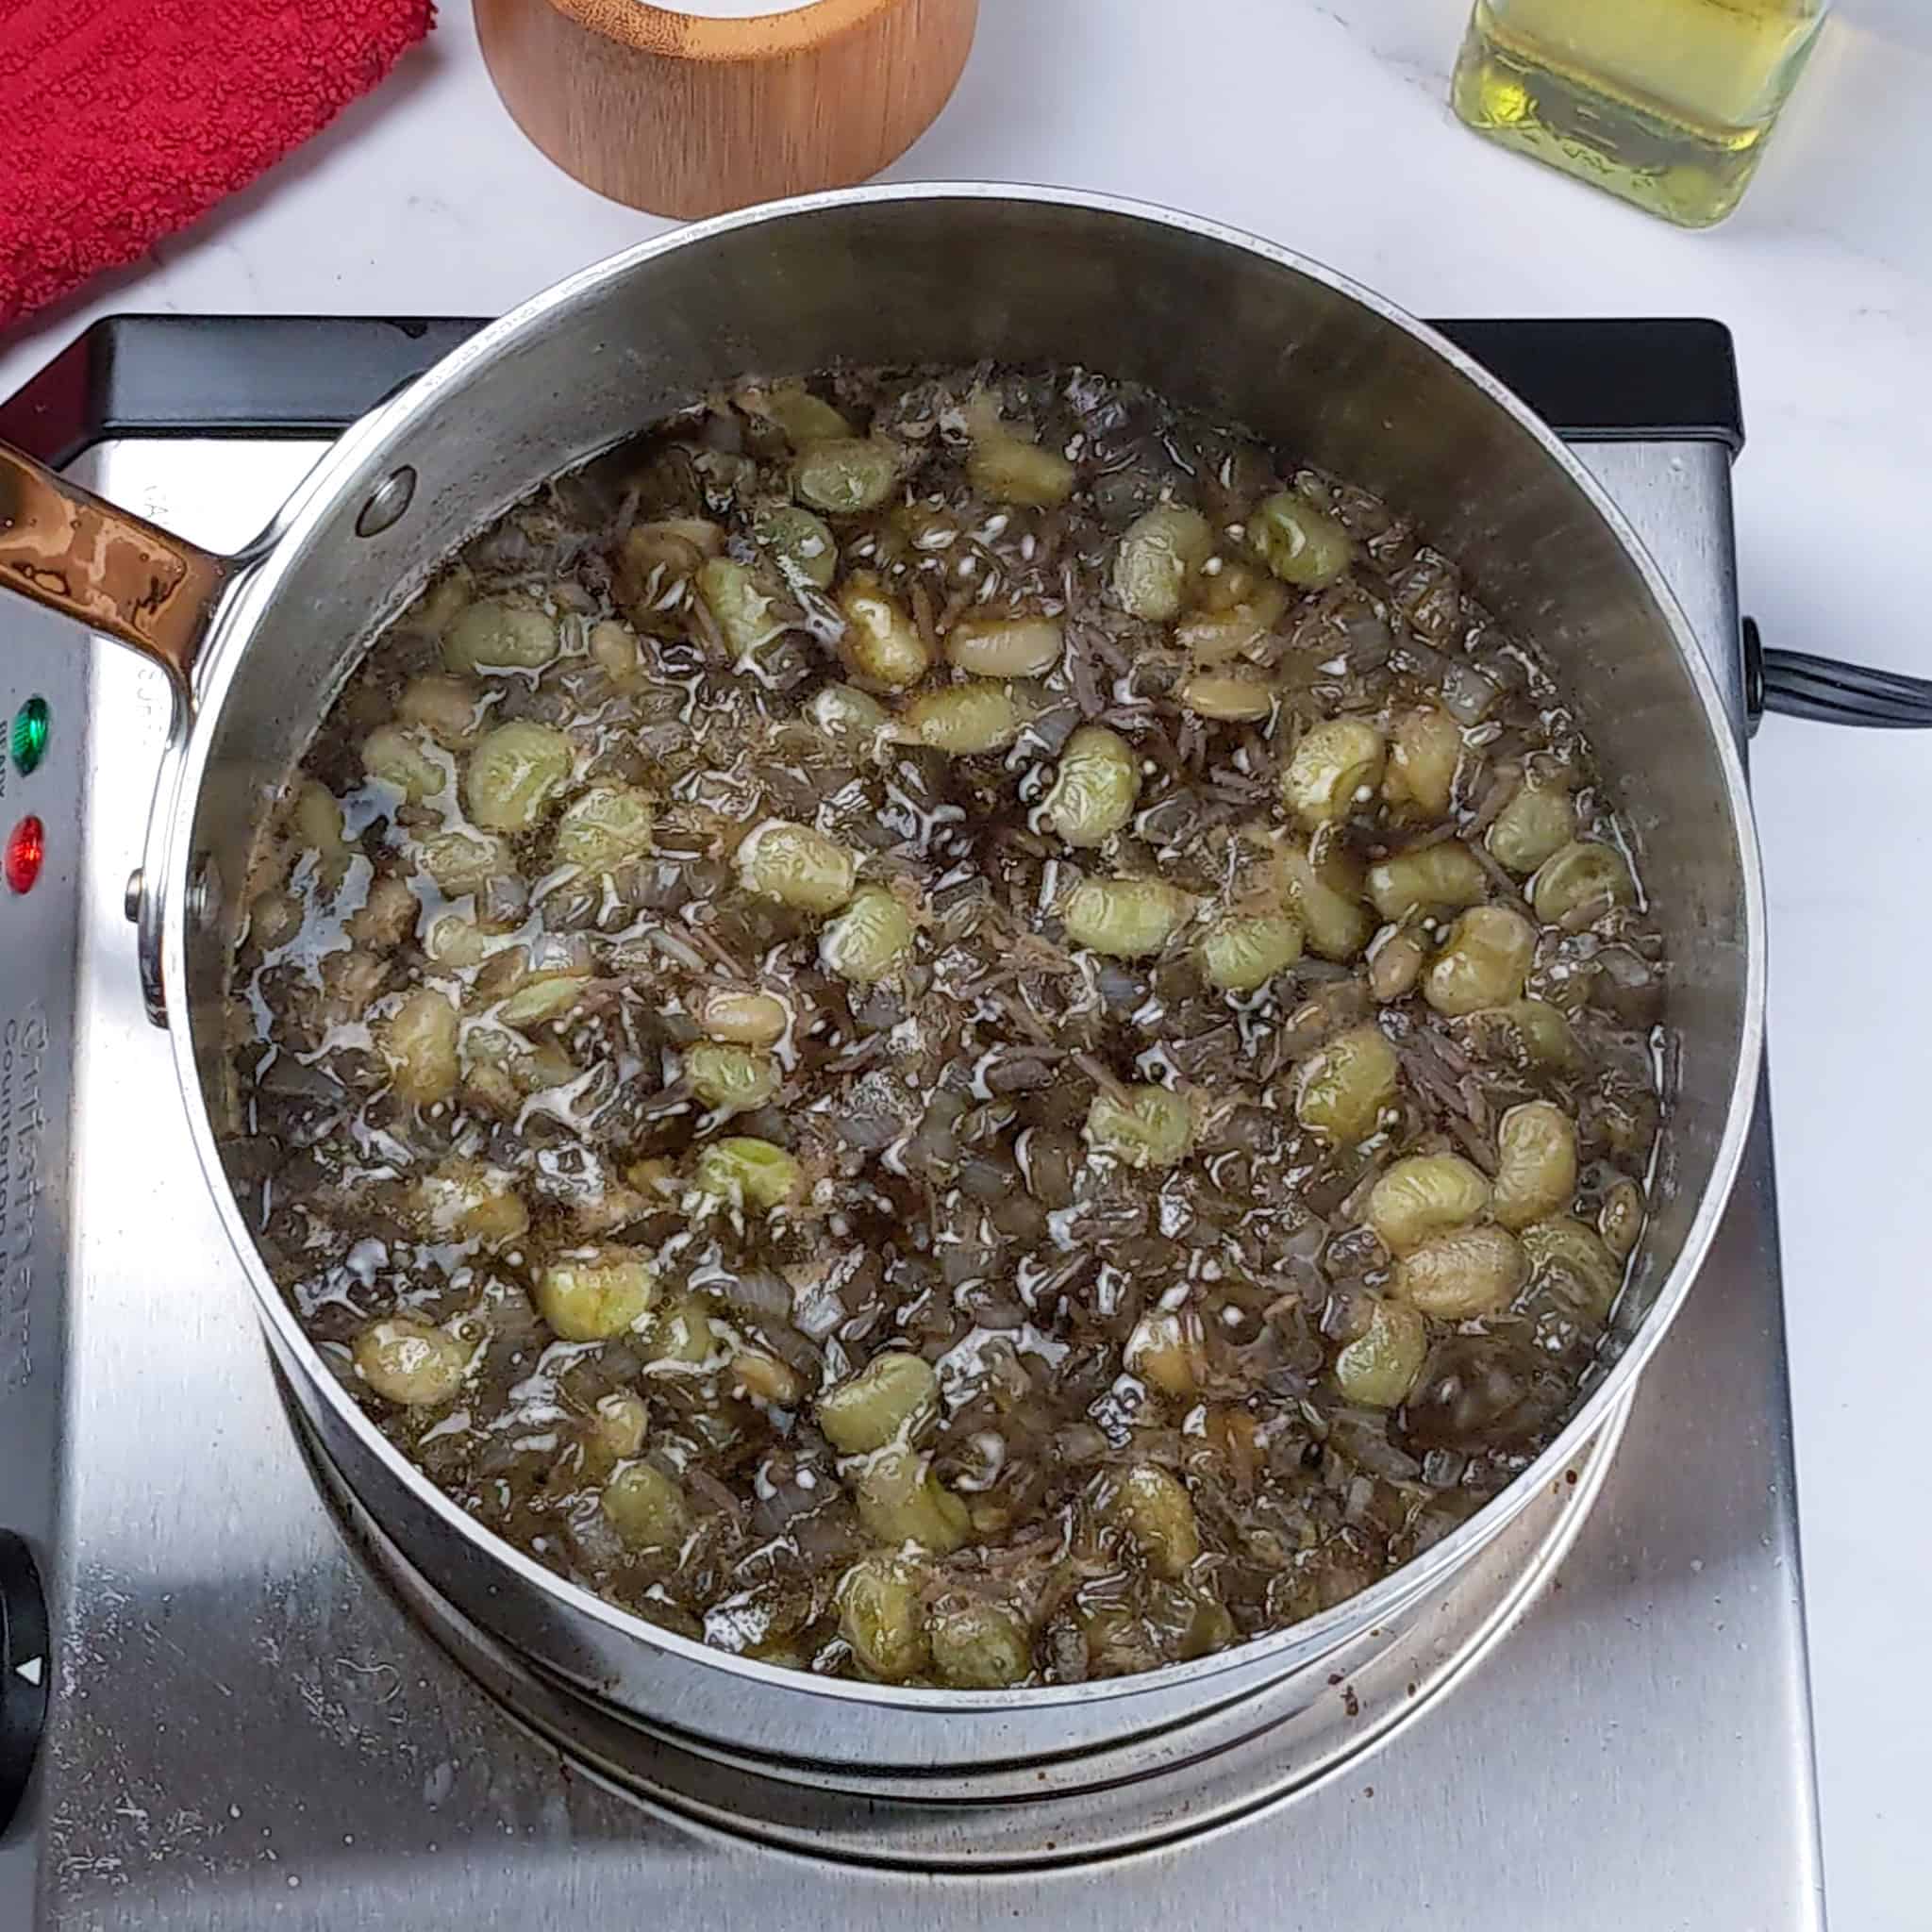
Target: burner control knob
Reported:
point(25, 1663)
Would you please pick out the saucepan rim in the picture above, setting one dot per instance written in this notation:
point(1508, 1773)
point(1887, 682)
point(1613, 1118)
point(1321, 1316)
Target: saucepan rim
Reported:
point(347, 466)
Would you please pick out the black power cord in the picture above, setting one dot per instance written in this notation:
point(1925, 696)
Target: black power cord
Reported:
point(1829, 692)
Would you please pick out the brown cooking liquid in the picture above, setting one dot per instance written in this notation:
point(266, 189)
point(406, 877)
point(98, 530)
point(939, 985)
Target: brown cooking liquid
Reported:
point(1162, 1156)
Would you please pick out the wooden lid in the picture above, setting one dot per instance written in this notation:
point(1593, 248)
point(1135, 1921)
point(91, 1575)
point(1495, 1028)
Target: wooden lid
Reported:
point(687, 112)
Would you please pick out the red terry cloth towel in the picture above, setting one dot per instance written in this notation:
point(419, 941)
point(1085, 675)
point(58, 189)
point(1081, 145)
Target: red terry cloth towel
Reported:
point(121, 121)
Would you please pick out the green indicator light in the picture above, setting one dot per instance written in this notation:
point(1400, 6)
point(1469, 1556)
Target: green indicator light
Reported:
point(30, 734)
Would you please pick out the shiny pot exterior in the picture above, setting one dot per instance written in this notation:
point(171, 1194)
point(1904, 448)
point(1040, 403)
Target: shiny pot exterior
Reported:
point(949, 274)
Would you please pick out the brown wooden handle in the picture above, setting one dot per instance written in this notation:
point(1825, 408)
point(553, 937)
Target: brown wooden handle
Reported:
point(76, 552)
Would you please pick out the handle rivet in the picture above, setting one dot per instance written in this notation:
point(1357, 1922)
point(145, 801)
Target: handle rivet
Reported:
point(387, 502)
point(204, 892)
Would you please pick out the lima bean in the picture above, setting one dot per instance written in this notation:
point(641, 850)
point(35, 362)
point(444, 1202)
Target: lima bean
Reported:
point(617, 652)
point(802, 418)
point(605, 827)
point(646, 1508)
point(1484, 963)
point(274, 918)
point(1011, 467)
point(1098, 783)
point(1440, 877)
point(901, 1501)
point(1619, 1221)
point(847, 714)
point(1159, 553)
point(542, 998)
point(765, 1377)
point(799, 866)
point(1379, 1367)
point(1323, 890)
point(410, 1362)
point(501, 634)
point(473, 1201)
point(869, 939)
point(387, 915)
point(748, 1173)
point(879, 1617)
point(1533, 828)
point(1577, 1257)
point(440, 604)
point(656, 566)
point(892, 1398)
point(463, 862)
point(682, 1336)
point(1215, 636)
point(1230, 696)
point(1006, 646)
point(1155, 1128)
point(1126, 919)
point(881, 643)
point(979, 1646)
point(1243, 952)
point(742, 611)
point(745, 1019)
point(1345, 1087)
point(1424, 1195)
point(616, 1426)
point(515, 774)
point(1334, 769)
point(1167, 1353)
point(1300, 543)
point(593, 1294)
point(963, 720)
point(351, 978)
point(398, 759)
point(1395, 965)
point(450, 709)
point(315, 824)
point(453, 941)
point(1425, 748)
point(801, 544)
point(419, 1042)
point(847, 474)
point(1536, 1170)
point(1580, 883)
point(1529, 1034)
point(1156, 1514)
point(1470, 1272)
point(678, 544)
point(738, 1079)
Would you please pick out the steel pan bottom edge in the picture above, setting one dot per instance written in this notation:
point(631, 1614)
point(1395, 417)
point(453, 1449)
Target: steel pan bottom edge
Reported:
point(1199, 1778)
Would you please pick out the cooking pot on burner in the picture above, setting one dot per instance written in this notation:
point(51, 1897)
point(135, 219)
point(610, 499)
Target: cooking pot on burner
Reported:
point(258, 644)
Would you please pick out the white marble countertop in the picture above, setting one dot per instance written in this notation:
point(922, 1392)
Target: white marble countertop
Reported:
point(1322, 123)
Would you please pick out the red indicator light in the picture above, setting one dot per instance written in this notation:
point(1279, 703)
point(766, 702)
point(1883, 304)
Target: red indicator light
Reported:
point(26, 846)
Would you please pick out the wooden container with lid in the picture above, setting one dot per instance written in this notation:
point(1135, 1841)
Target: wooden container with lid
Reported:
point(698, 106)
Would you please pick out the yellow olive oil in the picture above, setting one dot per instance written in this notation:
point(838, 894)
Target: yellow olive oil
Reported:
point(1667, 103)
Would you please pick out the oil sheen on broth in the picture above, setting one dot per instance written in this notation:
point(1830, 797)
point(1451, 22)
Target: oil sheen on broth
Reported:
point(954, 1027)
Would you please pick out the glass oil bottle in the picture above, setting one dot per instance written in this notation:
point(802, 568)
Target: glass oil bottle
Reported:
point(1667, 103)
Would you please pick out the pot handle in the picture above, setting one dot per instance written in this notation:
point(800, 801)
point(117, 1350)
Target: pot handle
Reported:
point(1829, 693)
point(78, 554)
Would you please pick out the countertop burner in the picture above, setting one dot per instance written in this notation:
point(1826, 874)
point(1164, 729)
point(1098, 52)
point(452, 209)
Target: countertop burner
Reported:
point(247, 1712)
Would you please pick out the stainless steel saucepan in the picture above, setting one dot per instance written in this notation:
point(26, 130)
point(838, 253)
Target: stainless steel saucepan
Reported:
point(259, 643)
